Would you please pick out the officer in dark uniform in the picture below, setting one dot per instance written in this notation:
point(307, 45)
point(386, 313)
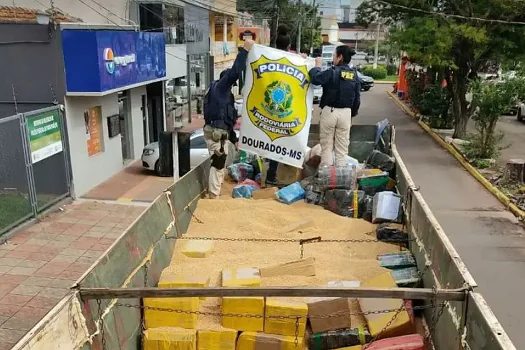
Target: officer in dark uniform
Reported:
point(339, 103)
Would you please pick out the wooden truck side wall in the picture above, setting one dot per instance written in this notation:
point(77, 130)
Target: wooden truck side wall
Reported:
point(144, 249)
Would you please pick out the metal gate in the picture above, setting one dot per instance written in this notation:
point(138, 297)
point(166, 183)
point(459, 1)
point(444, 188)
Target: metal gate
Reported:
point(34, 165)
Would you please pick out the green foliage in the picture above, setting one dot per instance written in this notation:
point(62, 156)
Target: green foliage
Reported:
point(431, 100)
point(462, 46)
point(391, 69)
point(377, 73)
point(490, 100)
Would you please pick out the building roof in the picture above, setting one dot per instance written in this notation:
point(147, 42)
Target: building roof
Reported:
point(15, 14)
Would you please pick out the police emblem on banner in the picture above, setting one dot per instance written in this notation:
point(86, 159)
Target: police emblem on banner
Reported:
point(276, 103)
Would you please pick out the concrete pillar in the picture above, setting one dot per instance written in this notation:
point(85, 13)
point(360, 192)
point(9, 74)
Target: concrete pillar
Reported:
point(225, 29)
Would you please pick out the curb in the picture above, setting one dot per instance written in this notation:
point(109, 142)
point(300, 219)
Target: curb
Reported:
point(384, 82)
point(461, 159)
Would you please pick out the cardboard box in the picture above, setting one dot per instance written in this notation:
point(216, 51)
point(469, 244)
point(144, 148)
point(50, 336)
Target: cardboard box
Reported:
point(225, 339)
point(284, 326)
point(262, 341)
point(241, 277)
point(197, 248)
point(240, 306)
point(168, 280)
point(166, 338)
point(265, 193)
point(329, 306)
point(402, 325)
point(157, 318)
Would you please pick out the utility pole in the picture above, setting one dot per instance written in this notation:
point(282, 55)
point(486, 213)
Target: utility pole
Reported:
point(376, 49)
point(314, 20)
point(299, 27)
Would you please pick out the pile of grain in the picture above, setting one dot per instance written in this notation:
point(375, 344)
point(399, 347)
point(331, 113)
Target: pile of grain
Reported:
point(269, 219)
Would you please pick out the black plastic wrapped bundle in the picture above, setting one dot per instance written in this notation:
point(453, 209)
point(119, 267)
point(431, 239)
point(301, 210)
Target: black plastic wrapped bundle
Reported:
point(338, 339)
point(379, 160)
point(341, 202)
point(331, 178)
point(367, 207)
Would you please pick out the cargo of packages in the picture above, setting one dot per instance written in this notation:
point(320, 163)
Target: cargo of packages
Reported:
point(259, 256)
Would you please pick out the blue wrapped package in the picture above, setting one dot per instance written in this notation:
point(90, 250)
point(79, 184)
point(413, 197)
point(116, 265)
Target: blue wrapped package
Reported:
point(240, 171)
point(291, 193)
point(243, 191)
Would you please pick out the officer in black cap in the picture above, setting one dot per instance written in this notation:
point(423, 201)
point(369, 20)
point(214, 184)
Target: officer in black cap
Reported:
point(339, 103)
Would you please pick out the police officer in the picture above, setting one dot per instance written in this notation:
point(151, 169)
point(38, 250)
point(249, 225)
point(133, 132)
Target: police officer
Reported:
point(339, 103)
point(220, 116)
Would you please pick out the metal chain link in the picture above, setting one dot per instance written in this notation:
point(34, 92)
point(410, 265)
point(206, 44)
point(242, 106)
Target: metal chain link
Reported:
point(258, 316)
point(143, 318)
point(385, 328)
point(435, 316)
point(193, 216)
point(290, 240)
point(296, 340)
point(102, 326)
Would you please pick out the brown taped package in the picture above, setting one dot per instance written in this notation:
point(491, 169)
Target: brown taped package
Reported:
point(320, 308)
point(265, 193)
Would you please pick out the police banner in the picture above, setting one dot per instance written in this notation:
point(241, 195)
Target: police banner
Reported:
point(277, 105)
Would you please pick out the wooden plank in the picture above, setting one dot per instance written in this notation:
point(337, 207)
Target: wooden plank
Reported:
point(303, 267)
point(389, 293)
point(482, 329)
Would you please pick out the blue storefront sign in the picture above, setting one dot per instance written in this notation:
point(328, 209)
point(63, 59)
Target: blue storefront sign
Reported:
point(98, 61)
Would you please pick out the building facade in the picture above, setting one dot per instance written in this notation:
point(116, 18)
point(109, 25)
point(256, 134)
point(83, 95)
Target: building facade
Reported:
point(113, 78)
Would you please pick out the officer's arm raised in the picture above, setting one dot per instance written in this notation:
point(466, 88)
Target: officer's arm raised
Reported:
point(234, 73)
point(320, 77)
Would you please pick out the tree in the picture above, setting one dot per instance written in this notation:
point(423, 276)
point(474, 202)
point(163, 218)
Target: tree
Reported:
point(289, 13)
point(456, 46)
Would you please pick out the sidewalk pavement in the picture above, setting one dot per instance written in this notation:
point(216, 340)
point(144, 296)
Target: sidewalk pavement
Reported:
point(488, 238)
point(39, 264)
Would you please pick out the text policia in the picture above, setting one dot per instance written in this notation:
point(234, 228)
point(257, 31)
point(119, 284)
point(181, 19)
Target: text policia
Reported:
point(277, 112)
point(270, 147)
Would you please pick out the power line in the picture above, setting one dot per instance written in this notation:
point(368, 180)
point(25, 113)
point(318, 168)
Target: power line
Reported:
point(447, 15)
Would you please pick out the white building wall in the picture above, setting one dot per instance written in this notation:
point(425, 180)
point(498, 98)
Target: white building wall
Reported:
point(88, 172)
point(137, 121)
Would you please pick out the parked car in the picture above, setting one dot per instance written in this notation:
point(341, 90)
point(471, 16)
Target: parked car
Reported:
point(520, 111)
point(366, 82)
point(318, 92)
point(198, 152)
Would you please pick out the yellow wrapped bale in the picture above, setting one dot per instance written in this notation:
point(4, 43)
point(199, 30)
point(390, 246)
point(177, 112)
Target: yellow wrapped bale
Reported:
point(197, 248)
point(168, 280)
point(247, 306)
point(157, 318)
point(216, 340)
point(284, 326)
point(376, 322)
point(166, 338)
point(263, 341)
point(241, 277)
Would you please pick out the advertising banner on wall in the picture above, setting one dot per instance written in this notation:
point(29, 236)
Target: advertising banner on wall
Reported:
point(277, 105)
point(93, 123)
point(45, 137)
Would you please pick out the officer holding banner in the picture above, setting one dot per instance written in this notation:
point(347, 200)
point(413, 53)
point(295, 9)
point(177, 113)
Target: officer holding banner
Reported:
point(339, 103)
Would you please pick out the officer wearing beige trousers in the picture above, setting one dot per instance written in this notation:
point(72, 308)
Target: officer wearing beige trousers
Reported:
point(340, 102)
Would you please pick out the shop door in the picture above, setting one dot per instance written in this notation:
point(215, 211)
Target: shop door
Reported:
point(125, 125)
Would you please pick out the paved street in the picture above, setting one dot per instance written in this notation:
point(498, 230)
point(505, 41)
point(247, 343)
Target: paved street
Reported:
point(514, 132)
point(486, 236)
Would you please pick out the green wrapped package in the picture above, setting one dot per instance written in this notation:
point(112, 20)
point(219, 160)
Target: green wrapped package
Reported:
point(396, 260)
point(407, 277)
point(338, 339)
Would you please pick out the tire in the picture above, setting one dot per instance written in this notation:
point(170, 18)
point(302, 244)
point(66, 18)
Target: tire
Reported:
point(157, 168)
point(366, 88)
point(519, 116)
